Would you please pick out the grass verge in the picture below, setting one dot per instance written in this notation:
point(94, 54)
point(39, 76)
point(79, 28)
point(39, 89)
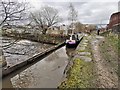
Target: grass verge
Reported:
point(109, 49)
point(80, 75)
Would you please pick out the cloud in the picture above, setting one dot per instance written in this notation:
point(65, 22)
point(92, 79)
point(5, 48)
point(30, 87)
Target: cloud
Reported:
point(92, 11)
point(97, 12)
point(75, 0)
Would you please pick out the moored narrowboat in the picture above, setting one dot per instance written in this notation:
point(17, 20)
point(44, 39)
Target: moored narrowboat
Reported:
point(72, 41)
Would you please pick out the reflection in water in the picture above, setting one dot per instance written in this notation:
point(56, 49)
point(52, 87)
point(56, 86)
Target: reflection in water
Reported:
point(70, 52)
point(21, 50)
point(47, 73)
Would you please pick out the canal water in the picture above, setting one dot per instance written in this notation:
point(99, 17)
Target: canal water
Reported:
point(46, 73)
point(17, 51)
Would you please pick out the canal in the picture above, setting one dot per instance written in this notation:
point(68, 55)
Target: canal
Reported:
point(46, 73)
point(17, 51)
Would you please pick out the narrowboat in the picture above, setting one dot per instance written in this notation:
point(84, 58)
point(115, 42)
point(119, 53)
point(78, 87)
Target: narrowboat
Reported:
point(72, 41)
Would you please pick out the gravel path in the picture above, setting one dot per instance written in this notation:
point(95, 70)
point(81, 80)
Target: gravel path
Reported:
point(106, 77)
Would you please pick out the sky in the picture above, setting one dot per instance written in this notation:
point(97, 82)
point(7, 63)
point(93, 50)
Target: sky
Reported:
point(89, 11)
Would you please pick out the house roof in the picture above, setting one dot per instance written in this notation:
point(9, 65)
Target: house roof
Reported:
point(114, 14)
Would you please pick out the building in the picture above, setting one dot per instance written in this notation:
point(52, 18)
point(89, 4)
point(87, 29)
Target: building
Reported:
point(114, 23)
point(64, 29)
point(60, 30)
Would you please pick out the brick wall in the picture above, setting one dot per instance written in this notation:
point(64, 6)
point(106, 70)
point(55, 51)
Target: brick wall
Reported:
point(114, 20)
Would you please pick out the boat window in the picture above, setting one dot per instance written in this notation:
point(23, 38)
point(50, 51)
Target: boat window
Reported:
point(73, 37)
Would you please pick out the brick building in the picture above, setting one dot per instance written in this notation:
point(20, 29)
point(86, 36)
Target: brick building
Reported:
point(114, 23)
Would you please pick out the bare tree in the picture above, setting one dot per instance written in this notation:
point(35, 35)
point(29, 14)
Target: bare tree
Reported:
point(11, 11)
point(45, 17)
point(78, 27)
point(72, 15)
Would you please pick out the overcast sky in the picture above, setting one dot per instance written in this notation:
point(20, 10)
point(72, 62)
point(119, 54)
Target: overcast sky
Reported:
point(89, 11)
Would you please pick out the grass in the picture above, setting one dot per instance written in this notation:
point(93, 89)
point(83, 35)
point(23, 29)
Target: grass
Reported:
point(87, 48)
point(80, 75)
point(110, 48)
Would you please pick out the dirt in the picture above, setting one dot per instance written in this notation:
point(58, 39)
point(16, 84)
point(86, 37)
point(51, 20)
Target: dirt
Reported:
point(106, 76)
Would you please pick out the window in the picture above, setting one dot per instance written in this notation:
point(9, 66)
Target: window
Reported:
point(73, 37)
